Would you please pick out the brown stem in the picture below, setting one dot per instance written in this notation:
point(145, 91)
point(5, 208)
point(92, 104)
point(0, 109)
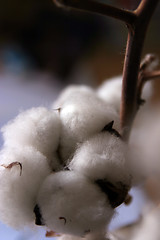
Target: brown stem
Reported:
point(135, 43)
point(99, 8)
point(151, 75)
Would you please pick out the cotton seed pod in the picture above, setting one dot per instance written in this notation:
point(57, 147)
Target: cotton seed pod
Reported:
point(103, 159)
point(110, 91)
point(21, 173)
point(70, 204)
point(82, 114)
point(36, 127)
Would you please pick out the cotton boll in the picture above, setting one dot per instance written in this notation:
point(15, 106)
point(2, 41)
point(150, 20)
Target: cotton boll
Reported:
point(21, 173)
point(82, 114)
point(36, 127)
point(103, 156)
point(110, 91)
point(103, 159)
point(70, 204)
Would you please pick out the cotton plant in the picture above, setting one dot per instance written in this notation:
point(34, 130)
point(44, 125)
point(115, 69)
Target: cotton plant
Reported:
point(68, 167)
point(70, 192)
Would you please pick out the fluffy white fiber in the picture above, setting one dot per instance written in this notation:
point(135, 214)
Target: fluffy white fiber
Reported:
point(103, 156)
point(144, 142)
point(94, 236)
point(70, 204)
point(149, 227)
point(82, 114)
point(36, 127)
point(110, 92)
point(19, 187)
point(72, 92)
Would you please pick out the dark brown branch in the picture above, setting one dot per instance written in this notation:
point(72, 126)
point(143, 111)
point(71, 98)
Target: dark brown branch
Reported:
point(99, 8)
point(136, 36)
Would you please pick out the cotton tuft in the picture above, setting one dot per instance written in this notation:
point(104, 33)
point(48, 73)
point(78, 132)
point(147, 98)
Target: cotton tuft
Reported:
point(82, 114)
point(19, 187)
point(70, 204)
point(36, 127)
point(111, 89)
point(72, 92)
point(103, 156)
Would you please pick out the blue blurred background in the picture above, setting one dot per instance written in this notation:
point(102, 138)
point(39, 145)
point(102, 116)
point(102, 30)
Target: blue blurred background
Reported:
point(43, 49)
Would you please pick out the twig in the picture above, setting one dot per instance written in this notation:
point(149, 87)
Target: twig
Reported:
point(99, 8)
point(151, 75)
point(136, 36)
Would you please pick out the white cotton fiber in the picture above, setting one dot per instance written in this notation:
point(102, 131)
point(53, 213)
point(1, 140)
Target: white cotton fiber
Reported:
point(70, 204)
point(21, 173)
point(103, 156)
point(144, 142)
point(110, 91)
point(149, 227)
point(36, 127)
point(82, 114)
point(94, 236)
point(72, 92)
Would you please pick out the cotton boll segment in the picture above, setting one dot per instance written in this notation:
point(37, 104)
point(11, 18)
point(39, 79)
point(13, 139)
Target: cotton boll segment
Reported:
point(83, 114)
point(20, 184)
point(72, 92)
point(36, 127)
point(103, 158)
point(110, 91)
point(70, 204)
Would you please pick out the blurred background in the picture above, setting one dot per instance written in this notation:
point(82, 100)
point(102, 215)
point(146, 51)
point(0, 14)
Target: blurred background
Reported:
point(44, 48)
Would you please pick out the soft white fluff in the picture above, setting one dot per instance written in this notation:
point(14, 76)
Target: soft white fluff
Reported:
point(149, 227)
point(70, 204)
point(144, 142)
point(36, 127)
point(94, 236)
point(18, 189)
point(103, 156)
point(110, 91)
point(83, 114)
point(72, 92)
